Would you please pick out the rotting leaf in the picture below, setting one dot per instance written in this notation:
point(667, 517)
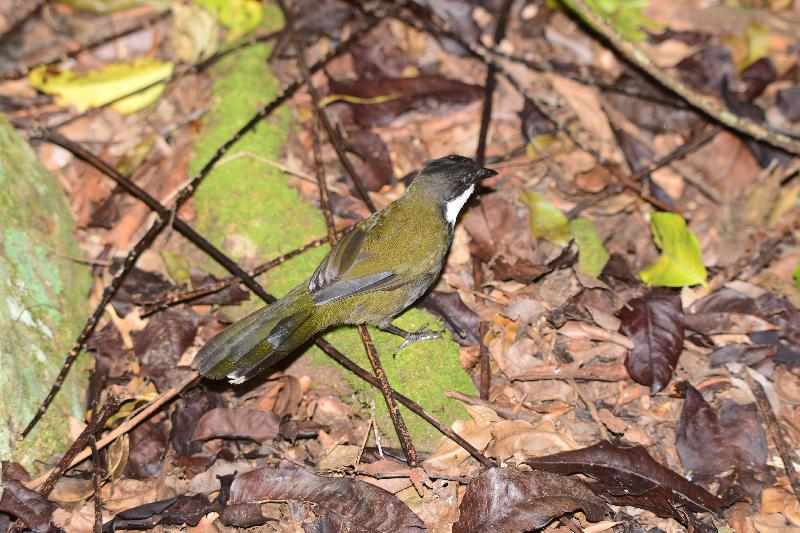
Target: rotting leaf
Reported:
point(378, 102)
point(633, 473)
point(184, 420)
point(346, 502)
point(592, 255)
point(699, 439)
point(680, 263)
point(179, 510)
point(147, 447)
point(167, 335)
point(229, 423)
point(100, 87)
point(506, 499)
point(655, 323)
point(29, 506)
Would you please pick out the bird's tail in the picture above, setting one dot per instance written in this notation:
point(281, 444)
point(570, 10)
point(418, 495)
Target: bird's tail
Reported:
point(259, 340)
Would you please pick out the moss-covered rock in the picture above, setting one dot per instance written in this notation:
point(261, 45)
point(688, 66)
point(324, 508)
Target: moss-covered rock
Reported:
point(247, 207)
point(42, 302)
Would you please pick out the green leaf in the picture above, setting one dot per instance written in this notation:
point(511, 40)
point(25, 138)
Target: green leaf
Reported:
point(547, 221)
point(680, 263)
point(592, 255)
point(239, 16)
point(102, 86)
point(796, 276)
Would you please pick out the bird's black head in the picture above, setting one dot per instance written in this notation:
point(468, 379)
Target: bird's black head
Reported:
point(450, 178)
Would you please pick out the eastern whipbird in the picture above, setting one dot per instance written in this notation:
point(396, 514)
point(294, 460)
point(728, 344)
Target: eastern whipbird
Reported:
point(381, 267)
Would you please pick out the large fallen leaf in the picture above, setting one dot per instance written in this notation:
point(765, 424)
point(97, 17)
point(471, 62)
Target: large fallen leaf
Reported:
point(230, 423)
point(680, 263)
point(655, 323)
point(349, 504)
point(376, 102)
point(506, 499)
point(699, 439)
point(592, 255)
point(100, 87)
point(631, 473)
point(547, 221)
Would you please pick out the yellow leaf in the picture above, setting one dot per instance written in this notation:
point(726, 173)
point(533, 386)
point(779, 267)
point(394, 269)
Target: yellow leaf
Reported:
point(100, 87)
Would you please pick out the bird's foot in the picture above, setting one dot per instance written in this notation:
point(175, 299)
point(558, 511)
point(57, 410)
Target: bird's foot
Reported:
point(422, 334)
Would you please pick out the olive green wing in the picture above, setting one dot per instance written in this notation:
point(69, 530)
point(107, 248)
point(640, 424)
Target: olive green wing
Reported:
point(337, 276)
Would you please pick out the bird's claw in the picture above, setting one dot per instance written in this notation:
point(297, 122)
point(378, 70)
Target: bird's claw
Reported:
point(422, 334)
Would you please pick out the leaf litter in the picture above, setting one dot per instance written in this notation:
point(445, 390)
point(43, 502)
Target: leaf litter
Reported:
point(601, 315)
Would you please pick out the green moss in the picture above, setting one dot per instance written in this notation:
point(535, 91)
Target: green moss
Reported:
point(247, 208)
point(42, 303)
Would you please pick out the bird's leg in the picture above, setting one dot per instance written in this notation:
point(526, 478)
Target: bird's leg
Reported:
point(422, 334)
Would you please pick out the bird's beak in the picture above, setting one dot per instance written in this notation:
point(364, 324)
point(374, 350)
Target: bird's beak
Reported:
point(486, 173)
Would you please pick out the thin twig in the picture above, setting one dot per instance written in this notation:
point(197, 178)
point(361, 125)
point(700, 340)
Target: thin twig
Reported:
point(680, 152)
point(402, 475)
point(98, 499)
point(491, 83)
point(406, 442)
point(485, 362)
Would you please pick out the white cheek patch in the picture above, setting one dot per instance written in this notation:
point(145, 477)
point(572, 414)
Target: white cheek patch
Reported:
point(453, 207)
